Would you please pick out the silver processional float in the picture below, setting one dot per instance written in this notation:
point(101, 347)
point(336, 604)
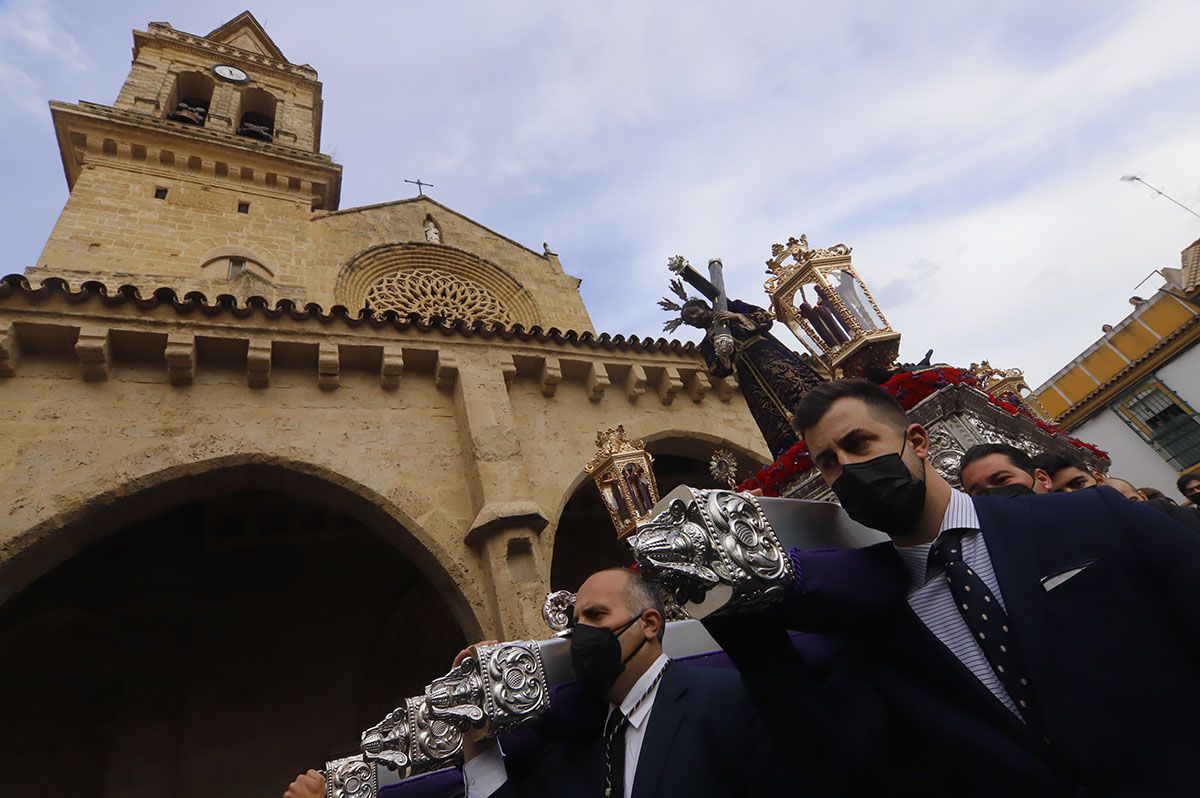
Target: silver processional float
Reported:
point(712, 551)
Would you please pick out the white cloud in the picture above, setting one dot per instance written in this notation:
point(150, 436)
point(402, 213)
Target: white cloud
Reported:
point(29, 28)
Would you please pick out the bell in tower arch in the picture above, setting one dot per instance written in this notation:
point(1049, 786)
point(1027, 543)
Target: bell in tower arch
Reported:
point(191, 112)
point(193, 95)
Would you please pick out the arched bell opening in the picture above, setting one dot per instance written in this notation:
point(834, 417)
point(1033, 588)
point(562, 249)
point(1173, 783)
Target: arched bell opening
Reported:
point(221, 645)
point(190, 98)
point(256, 116)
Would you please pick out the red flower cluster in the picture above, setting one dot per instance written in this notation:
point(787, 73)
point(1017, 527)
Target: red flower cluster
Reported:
point(913, 387)
point(910, 389)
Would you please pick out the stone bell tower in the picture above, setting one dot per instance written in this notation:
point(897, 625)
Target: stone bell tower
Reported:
point(205, 168)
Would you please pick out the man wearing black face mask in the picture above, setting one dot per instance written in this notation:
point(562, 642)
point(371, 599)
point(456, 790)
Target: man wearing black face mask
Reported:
point(998, 469)
point(660, 729)
point(1047, 645)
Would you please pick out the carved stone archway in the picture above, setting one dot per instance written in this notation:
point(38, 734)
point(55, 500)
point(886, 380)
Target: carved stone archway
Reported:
point(232, 628)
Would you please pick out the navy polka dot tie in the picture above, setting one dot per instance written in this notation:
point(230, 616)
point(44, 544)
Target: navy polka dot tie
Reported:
point(986, 619)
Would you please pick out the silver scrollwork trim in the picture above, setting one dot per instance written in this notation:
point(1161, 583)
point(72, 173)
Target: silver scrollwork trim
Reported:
point(435, 741)
point(350, 777)
point(515, 687)
point(558, 610)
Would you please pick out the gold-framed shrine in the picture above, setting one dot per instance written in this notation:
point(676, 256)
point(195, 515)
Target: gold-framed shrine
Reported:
point(822, 299)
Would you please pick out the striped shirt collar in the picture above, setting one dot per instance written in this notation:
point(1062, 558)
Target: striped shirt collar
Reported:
point(960, 514)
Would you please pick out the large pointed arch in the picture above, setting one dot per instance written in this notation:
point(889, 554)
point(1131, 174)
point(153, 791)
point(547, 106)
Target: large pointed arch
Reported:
point(38, 550)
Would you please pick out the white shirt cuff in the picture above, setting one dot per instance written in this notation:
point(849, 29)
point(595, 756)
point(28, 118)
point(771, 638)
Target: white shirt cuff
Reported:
point(485, 774)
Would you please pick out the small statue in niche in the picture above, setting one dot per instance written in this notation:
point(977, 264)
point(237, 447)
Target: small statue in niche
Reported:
point(432, 234)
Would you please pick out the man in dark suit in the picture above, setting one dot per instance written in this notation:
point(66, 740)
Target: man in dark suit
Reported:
point(656, 730)
point(1049, 645)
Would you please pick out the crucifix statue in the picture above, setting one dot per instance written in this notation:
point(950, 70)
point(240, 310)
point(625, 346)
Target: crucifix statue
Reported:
point(714, 289)
point(738, 340)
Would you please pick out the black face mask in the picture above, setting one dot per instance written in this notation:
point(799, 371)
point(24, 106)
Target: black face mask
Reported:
point(1010, 490)
point(882, 494)
point(596, 654)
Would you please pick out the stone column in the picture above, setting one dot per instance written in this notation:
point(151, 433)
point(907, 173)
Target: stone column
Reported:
point(507, 519)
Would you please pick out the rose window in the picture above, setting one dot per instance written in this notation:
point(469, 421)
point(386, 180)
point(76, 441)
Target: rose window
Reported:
point(429, 292)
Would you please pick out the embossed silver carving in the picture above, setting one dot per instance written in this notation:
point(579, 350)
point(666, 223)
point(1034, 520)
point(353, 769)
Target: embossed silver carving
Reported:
point(705, 538)
point(350, 777)
point(458, 696)
point(502, 687)
point(409, 738)
point(387, 742)
point(558, 610)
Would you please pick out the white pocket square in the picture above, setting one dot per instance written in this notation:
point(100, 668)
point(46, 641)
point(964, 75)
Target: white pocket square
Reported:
point(1051, 582)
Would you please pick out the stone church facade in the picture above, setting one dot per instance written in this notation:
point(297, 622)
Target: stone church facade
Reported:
point(269, 462)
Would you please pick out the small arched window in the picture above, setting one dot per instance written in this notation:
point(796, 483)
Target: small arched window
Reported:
point(256, 117)
point(190, 99)
point(229, 263)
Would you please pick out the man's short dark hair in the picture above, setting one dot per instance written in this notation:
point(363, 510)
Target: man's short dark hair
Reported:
point(1185, 480)
point(816, 402)
point(1014, 455)
point(1053, 462)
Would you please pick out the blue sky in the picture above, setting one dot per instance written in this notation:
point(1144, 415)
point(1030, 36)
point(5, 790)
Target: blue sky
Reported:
point(969, 152)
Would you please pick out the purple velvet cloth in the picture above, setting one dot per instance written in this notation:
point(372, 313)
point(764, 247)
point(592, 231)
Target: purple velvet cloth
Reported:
point(842, 589)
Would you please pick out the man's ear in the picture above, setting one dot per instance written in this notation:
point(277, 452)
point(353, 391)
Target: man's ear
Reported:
point(1042, 480)
point(1100, 478)
point(918, 440)
point(652, 622)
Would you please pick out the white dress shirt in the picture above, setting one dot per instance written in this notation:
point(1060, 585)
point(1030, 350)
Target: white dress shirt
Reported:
point(930, 598)
point(486, 773)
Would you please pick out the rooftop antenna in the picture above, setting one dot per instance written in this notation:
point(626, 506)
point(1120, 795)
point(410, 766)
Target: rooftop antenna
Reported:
point(1159, 192)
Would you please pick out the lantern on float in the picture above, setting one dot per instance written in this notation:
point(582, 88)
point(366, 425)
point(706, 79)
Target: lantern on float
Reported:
point(818, 294)
point(624, 474)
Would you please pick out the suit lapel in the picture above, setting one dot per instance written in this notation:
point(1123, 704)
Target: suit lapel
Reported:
point(1009, 532)
point(928, 654)
point(666, 715)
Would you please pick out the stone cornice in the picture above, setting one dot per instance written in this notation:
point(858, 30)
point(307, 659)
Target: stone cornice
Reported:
point(93, 297)
point(106, 113)
point(71, 119)
point(105, 330)
point(167, 37)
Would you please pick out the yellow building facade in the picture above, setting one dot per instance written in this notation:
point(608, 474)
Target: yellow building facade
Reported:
point(271, 462)
point(1135, 391)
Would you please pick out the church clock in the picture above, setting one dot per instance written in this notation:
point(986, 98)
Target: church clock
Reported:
point(230, 73)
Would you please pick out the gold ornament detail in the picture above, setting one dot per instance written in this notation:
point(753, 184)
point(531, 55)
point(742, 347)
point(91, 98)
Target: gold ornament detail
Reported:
point(1001, 382)
point(819, 295)
point(430, 292)
point(623, 472)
